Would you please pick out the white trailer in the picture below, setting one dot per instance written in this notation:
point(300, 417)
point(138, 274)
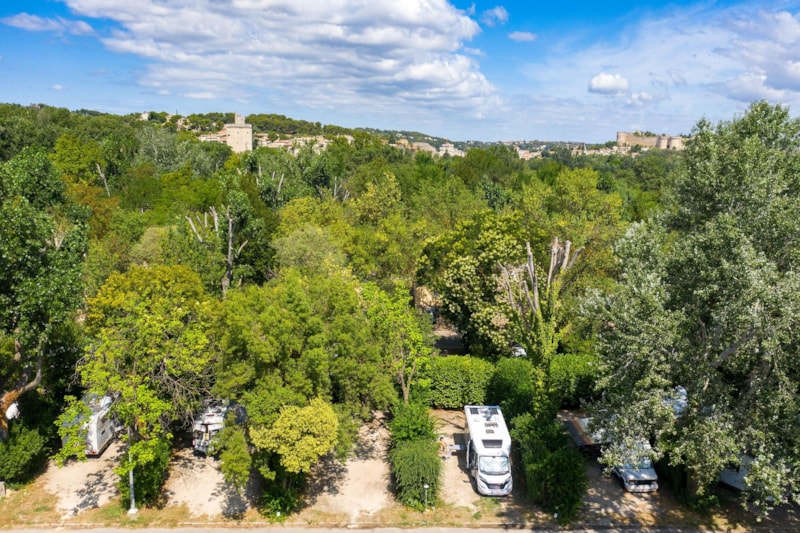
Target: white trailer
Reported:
point(101, 428)
point(488, 450)
point(211, 421)
point(735, 475)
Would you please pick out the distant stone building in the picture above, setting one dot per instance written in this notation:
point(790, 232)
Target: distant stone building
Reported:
point(239, 136)
point(451, 150)
point(664, 142)
point(423, 147)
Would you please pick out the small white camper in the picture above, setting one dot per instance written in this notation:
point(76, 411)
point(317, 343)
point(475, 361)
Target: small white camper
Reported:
point(488, 450)
point(101, 428)
point(211, 421)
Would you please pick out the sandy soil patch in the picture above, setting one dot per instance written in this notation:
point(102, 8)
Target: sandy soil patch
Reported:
point(458, 489)
point(196, 481)
point(359, 488)
point(84, 485)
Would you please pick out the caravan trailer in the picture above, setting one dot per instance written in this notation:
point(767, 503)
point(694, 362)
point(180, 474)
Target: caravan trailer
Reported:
point(488, 450)
point(211, 421)
point(100, 427)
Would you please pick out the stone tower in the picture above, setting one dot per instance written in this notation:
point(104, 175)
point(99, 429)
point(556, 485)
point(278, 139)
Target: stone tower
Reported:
point(239, 136)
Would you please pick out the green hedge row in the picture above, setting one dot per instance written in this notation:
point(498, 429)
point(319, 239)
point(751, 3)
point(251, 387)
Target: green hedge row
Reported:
point(414, 456)
point(573, 377)
point(415, 464)
point(555, 472)
point(458, 380)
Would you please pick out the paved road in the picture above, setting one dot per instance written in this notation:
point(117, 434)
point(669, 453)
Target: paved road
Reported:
point(284, 529)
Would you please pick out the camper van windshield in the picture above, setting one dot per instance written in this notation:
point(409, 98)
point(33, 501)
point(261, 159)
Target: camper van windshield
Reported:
point(493, 465)
point(644, 464)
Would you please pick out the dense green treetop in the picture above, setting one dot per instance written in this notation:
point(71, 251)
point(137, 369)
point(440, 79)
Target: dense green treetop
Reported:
point(709, 301)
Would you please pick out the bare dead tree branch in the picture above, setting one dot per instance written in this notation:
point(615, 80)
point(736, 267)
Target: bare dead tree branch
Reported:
point(103, 177)
point(194, 229)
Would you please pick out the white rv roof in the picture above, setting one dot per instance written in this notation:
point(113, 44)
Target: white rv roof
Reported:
point(487, 428)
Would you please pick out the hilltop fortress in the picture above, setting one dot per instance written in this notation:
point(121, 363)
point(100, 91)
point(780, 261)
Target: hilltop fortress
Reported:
point(664, 142)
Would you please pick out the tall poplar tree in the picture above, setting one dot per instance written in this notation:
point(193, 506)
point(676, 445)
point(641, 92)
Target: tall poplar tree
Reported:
point(709, 300)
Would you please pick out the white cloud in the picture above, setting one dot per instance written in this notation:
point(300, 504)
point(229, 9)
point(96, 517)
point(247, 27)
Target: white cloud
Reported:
point(680, 65)
point(749, 87)
point(337, 53)
point(497, 16)
point(522, 36)
point(200, 95)
point(58, 25)
point(610, 84)
point(57, 87)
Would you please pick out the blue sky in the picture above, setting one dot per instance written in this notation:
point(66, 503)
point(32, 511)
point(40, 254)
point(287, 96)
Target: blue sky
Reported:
point(498, 70)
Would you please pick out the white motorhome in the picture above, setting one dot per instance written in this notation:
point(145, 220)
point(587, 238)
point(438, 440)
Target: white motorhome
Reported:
point(211, 421)
point(488, 450)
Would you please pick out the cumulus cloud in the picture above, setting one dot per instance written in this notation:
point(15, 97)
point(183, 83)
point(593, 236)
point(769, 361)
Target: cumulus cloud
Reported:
point(58, 25)
point(337, 53)
point(767, 46)
point(57, 87)
point(522, 36)
point(609, 84)
point(497, 16)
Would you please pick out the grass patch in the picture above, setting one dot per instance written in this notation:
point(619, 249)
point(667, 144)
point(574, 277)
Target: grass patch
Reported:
point(114, 514)
point(29, 505)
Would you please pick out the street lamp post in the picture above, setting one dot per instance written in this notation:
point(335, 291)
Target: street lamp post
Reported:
point(426, 487)
point(133, 510)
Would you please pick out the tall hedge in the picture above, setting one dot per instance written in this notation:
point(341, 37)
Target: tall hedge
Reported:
point(513, 386)
point(414, 456)
point(573, 377)
point(416, 463)
point(458, 380)
point(555, 472)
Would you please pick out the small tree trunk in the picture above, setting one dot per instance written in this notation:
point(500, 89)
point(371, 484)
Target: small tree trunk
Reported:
point(10, 396)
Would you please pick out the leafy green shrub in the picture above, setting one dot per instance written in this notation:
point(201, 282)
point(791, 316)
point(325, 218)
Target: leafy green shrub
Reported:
point(234, 455)
point(512, 386)
point(410, 422)
point(458, 380)
point(22, 454)
point(148, 475)
point(278, 502)
point(416, 463)
point(572, 377)
point(555, 472)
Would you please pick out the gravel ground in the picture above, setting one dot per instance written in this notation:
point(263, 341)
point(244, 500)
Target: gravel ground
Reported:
point(84, 485)
point(359, 489)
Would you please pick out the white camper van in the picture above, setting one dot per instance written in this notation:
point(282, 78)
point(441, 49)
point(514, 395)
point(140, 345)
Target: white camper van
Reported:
point(634, 476)
point(488, 450)
point(735, 475)
point(638, 475)
point(211, 421)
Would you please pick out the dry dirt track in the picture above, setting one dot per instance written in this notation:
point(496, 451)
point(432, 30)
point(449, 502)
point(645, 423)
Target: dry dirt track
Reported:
point(357, 493)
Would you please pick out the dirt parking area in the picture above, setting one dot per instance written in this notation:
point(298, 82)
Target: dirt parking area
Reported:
point(196, 482)
point(357, 493)
point(84, 485)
